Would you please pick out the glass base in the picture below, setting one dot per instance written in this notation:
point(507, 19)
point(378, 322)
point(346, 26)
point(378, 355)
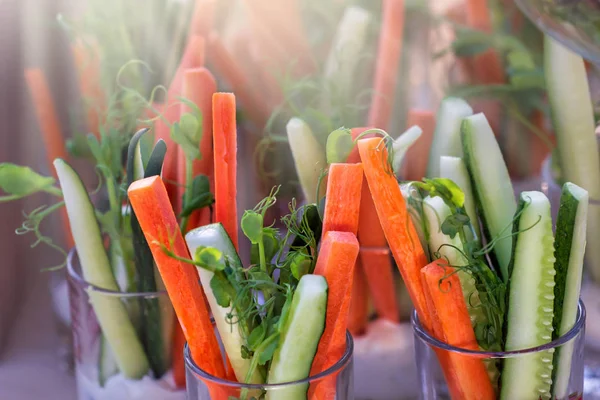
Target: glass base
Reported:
point(591, 375)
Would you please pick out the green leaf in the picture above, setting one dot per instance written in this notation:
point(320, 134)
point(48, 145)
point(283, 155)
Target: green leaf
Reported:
point(454, 223)
point(220, 287)
point(210, 258)
point(300, 264)
point(246, 353)
point(19, 181)
point(256, 336)
point(339, 145)
point(187, 134)
point(78, 146)
point(470, 43)
point(201, 196)
point(267, 353)
point(285, 312)
point(270, 243)
point(445, 188)
point(252, 226)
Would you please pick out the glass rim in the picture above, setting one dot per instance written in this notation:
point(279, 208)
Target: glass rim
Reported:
point(77, 277)
point(338, 366)
point(431, 341)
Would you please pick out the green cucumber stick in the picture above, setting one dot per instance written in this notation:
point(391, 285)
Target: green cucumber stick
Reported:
point(573, 119)
point(446, 136)
point(309, 158)
point(110, 311)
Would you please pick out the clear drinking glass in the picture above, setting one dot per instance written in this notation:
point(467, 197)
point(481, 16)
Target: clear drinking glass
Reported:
point(203, 386)
point(433, 385)
point(96, 372)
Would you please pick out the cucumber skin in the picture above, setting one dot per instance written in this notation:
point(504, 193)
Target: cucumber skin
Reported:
point(573, 120)
point(502, 252)
point(569, 252)
point(216, 236)
point(523, 384)
point(286, 369)
point(110, 311)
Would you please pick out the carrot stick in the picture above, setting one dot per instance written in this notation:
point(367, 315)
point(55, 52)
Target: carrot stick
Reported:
point(193, 57)
point(342, 204)
point(380, 282)
point(288, 49)
point(87, 63)
point(178, 359)
point(238, 80)
point(449, 315)
point(199, 85)
point(374, 254)
point(152, 207)
point(51, 130)
point(415, 161)
point(359, 304)
point(203, 17)
point(225, 152)
point(386, 65)
point(488, 67)
point(335, 262)
point(395, 221)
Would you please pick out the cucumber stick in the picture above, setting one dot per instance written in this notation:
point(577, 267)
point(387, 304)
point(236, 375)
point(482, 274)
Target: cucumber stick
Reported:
point(530, 301)
point(214, 235)
point(446, 137)
point(299, 339)
point(454, 168)
point(110, 311)
point(573, 120)
point(570, 248)
point(309, 159)
point(443, 246)
point(107, 365)
point(152, 330)
point(491, 185)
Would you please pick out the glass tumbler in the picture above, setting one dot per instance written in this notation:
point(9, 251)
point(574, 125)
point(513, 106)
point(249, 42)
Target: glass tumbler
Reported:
point(96, 372)
point(433, 385)
point(339, 377)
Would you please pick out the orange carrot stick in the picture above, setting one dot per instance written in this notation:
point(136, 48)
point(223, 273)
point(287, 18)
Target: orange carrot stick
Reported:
point(386, 65)
point(50, 128)
point(358, 316)
point(488, 67)
point(193, 57)
point(452, 324)
point(178, 359)
point(288, 50)
point(87, 62)
point(374, 254)
point(335, 262)
point(395, 221)
point(225, 152)
point(152, 207)
point(342, 204)
point(415, 162)
point(199, 85)
point(236, 77)
point(380, 280)
point(203, 17)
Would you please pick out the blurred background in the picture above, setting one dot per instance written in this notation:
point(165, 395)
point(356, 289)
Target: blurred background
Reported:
point(439, 45)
